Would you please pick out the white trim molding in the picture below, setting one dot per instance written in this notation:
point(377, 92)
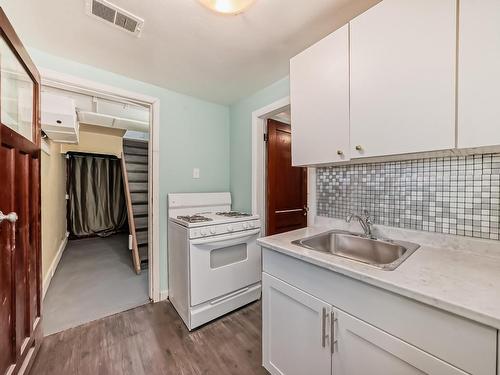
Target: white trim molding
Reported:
point(45, 146)
point(79, 85)
point(55, 262)
point(259, 128)
point(164, 295)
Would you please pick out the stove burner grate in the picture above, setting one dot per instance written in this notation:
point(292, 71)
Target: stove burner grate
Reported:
point(194, 218)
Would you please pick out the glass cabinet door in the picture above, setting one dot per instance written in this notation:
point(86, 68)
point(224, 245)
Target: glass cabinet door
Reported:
point(17, 93)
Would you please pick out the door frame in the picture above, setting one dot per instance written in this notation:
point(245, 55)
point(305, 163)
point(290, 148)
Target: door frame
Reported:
point(75, 84)
point(259, 163)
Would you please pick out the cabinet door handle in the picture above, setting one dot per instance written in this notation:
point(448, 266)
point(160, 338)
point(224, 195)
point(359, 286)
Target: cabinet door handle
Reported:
point(333, 339)
point(323, 327)
point(325, 331)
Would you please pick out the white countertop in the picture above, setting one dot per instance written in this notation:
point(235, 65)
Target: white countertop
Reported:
point(458, 275)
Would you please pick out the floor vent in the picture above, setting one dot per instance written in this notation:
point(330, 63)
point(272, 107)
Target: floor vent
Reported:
point(106, 11)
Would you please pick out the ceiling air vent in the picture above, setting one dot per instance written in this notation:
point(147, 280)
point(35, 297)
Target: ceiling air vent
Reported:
point(119, 17)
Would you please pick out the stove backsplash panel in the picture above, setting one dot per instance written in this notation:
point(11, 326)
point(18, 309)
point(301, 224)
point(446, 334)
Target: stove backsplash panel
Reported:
point(454, 195)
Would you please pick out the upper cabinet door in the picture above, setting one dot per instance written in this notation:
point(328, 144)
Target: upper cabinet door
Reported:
point(479, 73)
point(403, 55)
point(319, 90)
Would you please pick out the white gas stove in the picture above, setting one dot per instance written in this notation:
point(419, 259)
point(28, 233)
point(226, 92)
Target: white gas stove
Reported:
point(214, 259)
point(206, 224)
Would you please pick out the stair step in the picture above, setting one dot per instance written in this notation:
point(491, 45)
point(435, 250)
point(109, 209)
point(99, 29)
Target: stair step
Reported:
point(127, 150)
point(140, 209)
point(138, 187)
point(134, 167)
point(143, 256)
point(142, 238)
point(135, 143)
point(138, 198)
point(137, 177)
point(141, 222)
point(138, 159)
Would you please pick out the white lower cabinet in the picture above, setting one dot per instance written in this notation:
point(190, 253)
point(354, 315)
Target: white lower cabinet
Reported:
point(295, 336)
point(362, 349)
point(305, 335)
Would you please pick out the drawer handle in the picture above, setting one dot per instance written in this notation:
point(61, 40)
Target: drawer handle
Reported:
point(340, 152)
point(359, 148)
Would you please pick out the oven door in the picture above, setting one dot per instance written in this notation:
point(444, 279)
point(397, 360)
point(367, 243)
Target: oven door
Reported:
point(223, 264)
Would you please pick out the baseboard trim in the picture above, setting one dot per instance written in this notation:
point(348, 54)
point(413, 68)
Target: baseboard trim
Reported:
point(55, 263)
point(163, 295)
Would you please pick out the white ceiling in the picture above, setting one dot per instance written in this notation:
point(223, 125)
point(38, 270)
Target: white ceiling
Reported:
point(184, 46)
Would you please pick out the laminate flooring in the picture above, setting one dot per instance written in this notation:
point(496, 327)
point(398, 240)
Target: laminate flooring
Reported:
point(153, 340)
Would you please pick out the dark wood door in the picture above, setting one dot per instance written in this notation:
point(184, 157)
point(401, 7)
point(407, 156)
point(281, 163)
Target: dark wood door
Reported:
point(286, 185)
point(20, 234)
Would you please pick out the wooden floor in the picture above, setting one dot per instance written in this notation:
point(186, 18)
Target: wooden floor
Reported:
point(153, 340)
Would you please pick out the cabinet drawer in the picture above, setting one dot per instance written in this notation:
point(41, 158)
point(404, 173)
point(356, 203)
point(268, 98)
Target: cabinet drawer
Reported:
point(461, 342)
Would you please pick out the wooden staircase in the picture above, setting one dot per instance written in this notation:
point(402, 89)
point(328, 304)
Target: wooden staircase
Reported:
point(135, 178)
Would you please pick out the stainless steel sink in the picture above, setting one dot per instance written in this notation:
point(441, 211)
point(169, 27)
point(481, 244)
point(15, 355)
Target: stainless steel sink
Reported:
point(381, 253)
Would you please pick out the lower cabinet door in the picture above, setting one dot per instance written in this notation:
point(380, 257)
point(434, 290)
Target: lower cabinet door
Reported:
point(296, 330)
point(361, 349)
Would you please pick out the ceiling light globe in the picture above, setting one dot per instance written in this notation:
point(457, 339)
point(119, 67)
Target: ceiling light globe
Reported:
point(227, 6)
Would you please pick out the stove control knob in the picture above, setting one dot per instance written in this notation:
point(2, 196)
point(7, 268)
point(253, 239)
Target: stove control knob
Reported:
point(213, 231)
point(245, 225)
point(229, 228)
point(203, 232)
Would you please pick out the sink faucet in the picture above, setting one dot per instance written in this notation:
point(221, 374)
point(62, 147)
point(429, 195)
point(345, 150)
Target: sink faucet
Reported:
point(363, 219)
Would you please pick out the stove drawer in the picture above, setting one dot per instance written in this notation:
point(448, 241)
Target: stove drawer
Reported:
point(223, 264)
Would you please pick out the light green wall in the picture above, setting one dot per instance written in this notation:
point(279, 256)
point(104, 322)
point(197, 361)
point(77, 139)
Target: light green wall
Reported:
point(241, 140)
point(193, 133)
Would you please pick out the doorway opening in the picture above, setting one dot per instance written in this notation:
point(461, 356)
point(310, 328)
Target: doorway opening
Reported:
point(286, 190)
point(96, 210)
point(291, 214)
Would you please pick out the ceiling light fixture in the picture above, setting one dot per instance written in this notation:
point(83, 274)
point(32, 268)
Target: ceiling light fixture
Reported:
point(227, 6)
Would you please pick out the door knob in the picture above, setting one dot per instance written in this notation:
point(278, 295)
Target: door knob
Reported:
point(10, 217)
point(359, 148)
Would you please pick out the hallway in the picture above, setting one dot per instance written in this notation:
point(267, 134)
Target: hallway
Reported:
point(94, 279)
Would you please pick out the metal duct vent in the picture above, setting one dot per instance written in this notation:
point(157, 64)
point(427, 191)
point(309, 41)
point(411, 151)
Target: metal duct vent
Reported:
point(110, 13)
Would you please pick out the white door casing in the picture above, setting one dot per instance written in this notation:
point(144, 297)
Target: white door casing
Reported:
point(75, 84)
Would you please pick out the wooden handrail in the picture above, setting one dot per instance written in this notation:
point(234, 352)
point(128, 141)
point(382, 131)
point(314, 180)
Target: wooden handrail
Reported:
point(131, 223)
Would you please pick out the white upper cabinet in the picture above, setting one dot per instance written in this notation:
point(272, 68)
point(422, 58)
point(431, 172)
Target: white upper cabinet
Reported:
point(319, 91)
point(479, 73)
point(403, 55)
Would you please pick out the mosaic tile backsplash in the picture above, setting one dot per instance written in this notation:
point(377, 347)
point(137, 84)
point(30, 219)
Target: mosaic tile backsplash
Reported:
point(455, 195)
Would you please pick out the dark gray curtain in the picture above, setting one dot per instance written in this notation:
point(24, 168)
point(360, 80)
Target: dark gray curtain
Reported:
point(96, 196)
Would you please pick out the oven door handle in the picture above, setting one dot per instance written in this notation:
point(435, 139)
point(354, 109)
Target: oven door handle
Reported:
point(214, 241)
